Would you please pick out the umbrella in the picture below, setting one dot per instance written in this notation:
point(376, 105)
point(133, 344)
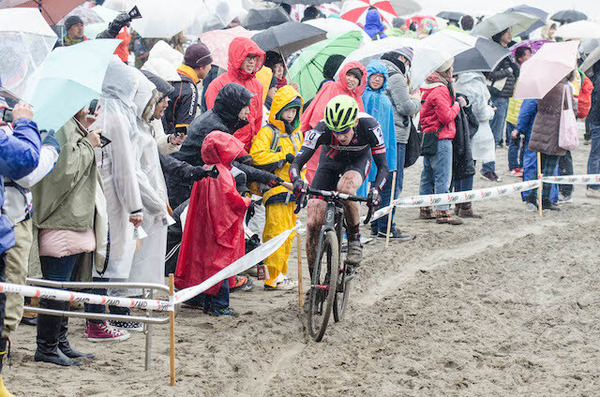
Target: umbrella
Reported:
point(107, 16)
point(377, 48)
point(265, 18)
point(218, 42)
point(356, 10)
point(516, 21)
point(450, 15)
point(336, 26)
point(590, 45)
point(533, 45)
point(162, 19)
point(69, 78)
point(545, 69)
point(25, 41)
point(590, 60)
point(436, 49)
point(536, 12)
point(305, 2)
point(87, 14)
point(579, 30)
point(484, 57)
point(215, 14)
point(288, 37)
point(307, 69)
point(569, 16)
point(52, 10)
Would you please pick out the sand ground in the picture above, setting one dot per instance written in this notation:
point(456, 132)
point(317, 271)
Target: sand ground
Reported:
point(502, 306)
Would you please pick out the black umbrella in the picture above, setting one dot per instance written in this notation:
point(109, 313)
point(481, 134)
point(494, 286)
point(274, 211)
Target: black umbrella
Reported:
point(260, 19)
point(536, 12)
point(568, 16)
point(450, 15)
point(288, 37)
point(484, 57)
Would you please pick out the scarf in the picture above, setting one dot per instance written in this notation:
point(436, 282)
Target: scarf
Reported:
point(189, 72)
point(437, 78)
point(281, 82)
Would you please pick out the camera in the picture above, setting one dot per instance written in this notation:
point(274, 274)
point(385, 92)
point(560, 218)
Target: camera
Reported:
point(7, 115)
point(134, 13)
point(180, 130)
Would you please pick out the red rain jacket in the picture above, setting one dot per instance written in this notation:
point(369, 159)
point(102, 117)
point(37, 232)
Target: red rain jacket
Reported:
point(213, 236)
point(584, 99)
point(239, 49)
point(316, 110)
point(439, 110)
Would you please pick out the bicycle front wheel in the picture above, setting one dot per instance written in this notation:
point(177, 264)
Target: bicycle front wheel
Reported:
point(323, 288)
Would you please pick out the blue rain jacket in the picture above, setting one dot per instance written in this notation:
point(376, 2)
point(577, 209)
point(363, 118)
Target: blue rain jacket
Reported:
point(373, 26)
point(378, 105)
point(19, 155)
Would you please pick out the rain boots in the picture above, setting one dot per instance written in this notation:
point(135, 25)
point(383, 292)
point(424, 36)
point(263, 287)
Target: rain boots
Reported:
point(63, 343)
point(465, 210)
point(4, 347)
point(49, 332)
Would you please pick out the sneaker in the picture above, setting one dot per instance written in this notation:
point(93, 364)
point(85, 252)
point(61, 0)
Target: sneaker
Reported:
point(282, 283)
point(516, 172)
point(562, 199)
point(127, 325)
point(396, 234)
point(593, 193)
point(550, 206)
point(355, 252)
point(225, 311)
point(489, 176)
point(242, 284)
point(103, 332)
point(498, 179)
point(444, 217)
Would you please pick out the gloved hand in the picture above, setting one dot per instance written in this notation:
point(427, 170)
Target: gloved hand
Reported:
point(299, 186)
point(275, 182)
point(199, 173)
point(374, 197)
point(290, 158)
point(212, 171)
point(246, 159)
point(50, 140)
point(117, 24)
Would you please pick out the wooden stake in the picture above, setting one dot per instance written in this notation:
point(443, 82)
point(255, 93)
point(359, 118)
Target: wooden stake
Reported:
point(540, 189)
point(299, 249)
point(389, 222)
point(172, 331)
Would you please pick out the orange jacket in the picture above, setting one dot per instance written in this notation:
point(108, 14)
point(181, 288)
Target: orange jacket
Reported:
point(585, 97)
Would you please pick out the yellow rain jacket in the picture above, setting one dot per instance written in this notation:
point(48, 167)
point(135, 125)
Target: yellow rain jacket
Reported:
point(264, 76)
point(273, 143)
point(514, 106)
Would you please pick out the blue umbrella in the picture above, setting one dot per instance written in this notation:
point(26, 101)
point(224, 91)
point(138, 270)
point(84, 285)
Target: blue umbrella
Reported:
point(69, 79)
point(525, 9)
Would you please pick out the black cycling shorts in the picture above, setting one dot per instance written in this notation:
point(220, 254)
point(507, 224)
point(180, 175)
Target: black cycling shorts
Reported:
point(330, 170)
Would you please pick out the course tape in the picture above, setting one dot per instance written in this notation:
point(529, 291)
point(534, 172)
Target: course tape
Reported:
point(244, 263)
point(457, 197)
point(573, 179)
point(71, 296)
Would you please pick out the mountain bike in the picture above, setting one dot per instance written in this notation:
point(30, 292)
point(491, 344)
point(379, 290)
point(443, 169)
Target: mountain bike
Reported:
point(331, 274)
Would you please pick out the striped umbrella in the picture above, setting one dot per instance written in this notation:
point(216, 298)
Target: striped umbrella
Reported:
point(356, 10)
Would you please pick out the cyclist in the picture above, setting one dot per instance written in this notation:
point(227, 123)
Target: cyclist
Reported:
point(349, 138)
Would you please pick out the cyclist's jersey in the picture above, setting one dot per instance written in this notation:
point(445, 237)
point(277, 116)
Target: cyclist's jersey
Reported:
point(368, 138)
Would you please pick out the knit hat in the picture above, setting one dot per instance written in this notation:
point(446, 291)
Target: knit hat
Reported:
point(72, 20)
point(356, 72)
point(406, 52)
point(197, 55)
point(445, 66)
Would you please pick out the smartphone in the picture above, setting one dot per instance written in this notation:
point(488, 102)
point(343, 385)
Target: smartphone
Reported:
point(180, 131)
point(93, 107)
point(7, 115)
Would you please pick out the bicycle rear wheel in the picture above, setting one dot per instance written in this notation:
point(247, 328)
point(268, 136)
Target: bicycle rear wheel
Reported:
point(322, 295)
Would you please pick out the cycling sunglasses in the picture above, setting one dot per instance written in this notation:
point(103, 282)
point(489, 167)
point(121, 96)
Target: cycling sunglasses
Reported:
point(347, 130)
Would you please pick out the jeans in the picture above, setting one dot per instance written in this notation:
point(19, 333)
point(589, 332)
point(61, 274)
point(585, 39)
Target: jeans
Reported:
point(58, 269)
point(437, 172)
point(516, 151)
point(386, 193)
point(463, 185)
point(497, 124)
point(549, 163)
point(219, 301)
point(89, 308)
point(593, 166)
point(565, 167)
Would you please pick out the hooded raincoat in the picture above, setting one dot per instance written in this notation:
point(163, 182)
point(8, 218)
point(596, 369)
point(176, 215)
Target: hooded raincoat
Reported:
point(214, 239)
point(117, 162)
point(378, 105)
point(472, 85)
point(270, 148)
point(316, 110)
point(373, 26)
point(239, 49)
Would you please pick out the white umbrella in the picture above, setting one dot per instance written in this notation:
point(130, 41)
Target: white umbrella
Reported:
point(590, 60)
point(215, 14)
point(379, 47)
point(579, 30)
point(336, 27)
point(25, 42)
point(436, 49)
point(163, 19)
point(516, 21)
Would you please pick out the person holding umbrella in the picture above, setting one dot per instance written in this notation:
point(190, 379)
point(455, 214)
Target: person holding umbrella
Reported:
point(503, 80)
point(593, 166)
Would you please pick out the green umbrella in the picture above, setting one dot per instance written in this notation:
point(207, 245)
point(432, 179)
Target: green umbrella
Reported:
point(307, 69)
